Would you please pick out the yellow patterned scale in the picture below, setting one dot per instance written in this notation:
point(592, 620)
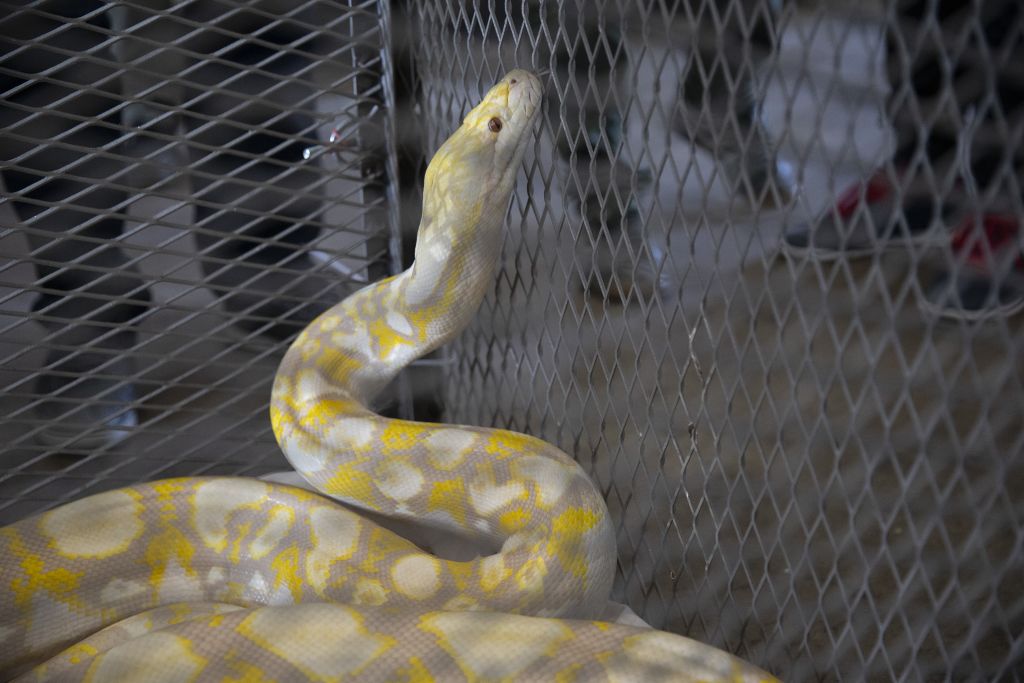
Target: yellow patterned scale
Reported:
point(233, 579)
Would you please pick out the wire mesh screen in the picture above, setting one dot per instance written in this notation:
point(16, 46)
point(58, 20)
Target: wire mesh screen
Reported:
point(169, 223)
point(764, 283)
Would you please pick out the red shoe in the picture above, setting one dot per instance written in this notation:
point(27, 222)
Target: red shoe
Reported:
point(987, 276)
point(869, 217)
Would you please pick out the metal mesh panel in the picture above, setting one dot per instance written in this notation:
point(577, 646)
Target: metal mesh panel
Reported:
point(744, 287)
point(164, 235)
point(743, 281)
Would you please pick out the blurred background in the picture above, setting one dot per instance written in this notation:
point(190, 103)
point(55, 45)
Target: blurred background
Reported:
point(763, 278)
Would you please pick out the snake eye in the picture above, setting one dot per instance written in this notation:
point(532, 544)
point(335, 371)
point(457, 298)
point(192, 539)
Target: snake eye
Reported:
point(494, 125)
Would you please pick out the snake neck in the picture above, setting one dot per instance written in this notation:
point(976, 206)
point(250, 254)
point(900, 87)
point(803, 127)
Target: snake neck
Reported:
point(358, 346)
point(453, 270)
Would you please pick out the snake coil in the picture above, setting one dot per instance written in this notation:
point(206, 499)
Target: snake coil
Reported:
point(239, 579)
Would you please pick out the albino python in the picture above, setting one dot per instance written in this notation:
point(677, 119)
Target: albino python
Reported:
point(234, 579)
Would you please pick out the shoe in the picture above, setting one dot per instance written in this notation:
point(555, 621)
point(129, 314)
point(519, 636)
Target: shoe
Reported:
point(80, 411)
point(987, 276)
point(869, 218)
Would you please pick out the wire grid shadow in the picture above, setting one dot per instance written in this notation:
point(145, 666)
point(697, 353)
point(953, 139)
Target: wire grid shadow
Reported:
point(812, 462)
point(165, 231)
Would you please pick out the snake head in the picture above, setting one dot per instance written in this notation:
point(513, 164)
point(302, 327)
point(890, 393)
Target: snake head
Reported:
point(480, 160)
point(504, 118)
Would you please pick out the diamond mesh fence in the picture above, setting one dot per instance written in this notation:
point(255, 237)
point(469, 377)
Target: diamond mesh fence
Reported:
point(761, 283)
point(170, 222)
point(763, 280)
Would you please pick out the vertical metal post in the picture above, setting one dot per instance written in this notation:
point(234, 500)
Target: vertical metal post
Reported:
point(373, 86)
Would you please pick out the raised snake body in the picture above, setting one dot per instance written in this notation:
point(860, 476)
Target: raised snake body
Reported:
point(240, 579)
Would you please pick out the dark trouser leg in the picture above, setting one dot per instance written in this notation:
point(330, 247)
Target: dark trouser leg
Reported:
point(996, 148)
point(601, 186)
point(923, 114)
point(258, 203)
point(957, 76)
point(723, 90)
point(957, 72)
point(56, 173)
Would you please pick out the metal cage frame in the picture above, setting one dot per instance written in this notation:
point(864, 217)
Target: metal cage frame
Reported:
point(813, 459)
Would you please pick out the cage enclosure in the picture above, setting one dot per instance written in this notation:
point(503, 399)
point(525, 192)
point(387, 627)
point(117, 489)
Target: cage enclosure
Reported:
point(763, 281)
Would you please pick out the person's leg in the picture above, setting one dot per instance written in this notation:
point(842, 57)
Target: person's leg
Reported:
point(904, 201)
point(985, 272)
point(59, 169)
point(258, 203)
point(148, 47)
point(593, 82)
point(723, 91)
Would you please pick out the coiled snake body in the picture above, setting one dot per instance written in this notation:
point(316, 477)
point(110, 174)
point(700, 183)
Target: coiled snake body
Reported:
point(240, 579)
